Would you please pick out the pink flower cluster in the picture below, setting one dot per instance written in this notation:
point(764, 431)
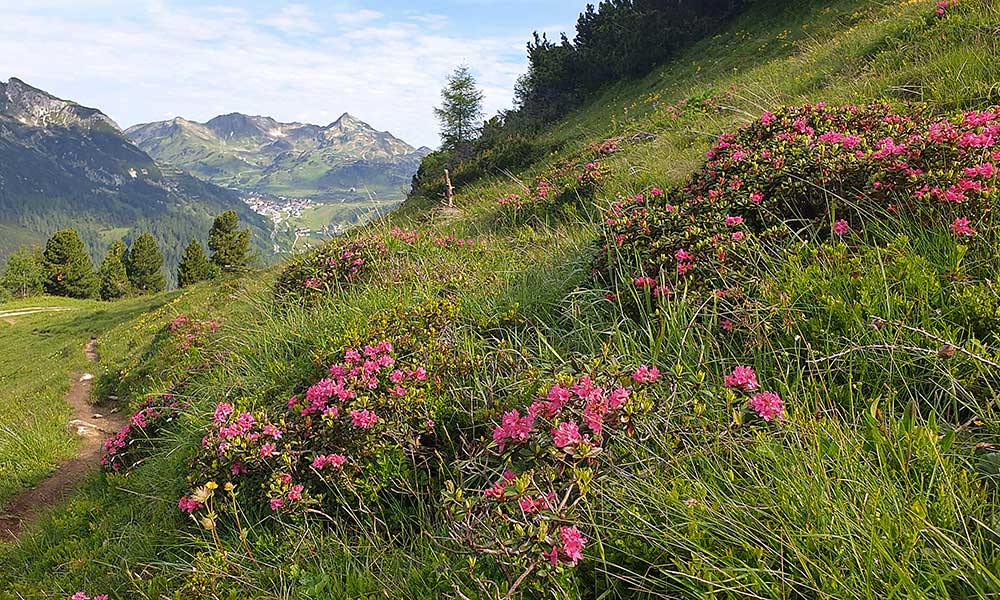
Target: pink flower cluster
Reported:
point(513, 428)
point(141, 427)
point(412, 236)
point(768, 405)
point(592, 173)
point(961, 228)
point(742, 378)
point(409, 236)
point(192, 332)
point(329, 460)
point(943, 6)
point(363, 418)
point(83, 596)
point(364, 369)
point(188, 505)
point(570, 548)
point(646, 374)
point(659, 291)
point(543, 190)
point(497, 490)
point(605, 148)
point(593, 403)
point(287, 492)
point(245, 428)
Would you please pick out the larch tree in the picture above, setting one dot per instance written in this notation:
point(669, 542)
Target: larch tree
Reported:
point(460, 113)
point(24, 275)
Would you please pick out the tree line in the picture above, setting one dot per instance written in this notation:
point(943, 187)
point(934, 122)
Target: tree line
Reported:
point(64, 268)
point(614, 40)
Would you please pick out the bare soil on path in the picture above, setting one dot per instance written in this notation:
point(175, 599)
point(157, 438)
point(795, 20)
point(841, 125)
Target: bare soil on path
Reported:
point(92, 424)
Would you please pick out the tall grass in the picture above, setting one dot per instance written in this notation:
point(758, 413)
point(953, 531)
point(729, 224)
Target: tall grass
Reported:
point(881, 483)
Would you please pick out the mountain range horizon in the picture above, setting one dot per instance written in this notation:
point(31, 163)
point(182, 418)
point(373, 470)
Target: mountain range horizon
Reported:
point(64, 164)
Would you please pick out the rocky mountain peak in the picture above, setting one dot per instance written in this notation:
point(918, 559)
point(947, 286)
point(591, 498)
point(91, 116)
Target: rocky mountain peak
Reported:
point(33, 107)
point(240, 126)
point(348, 121)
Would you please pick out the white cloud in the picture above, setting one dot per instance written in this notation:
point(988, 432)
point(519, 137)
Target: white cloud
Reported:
point(199, 62)
point(358, 17)
point(294, 19)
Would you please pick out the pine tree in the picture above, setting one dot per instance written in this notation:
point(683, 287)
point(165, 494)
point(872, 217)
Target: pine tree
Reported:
point(194, 266)
point(143, 265)
point(24, 275)
point(461, 112)
point(230, 245)
point(114, 279)
point(68, 269)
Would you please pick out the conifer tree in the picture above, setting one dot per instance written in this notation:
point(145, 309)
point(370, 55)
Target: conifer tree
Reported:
point(24, 275)
point(143, 265)
point(114, 279)
point(194, 266)
point(461, 112)
point(230, 245)
point(68, 269)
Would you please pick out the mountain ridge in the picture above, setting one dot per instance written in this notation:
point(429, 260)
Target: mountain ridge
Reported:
point(66, 165)
point(258, 154)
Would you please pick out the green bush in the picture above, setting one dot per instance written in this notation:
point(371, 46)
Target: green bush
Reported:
point(338, 263)
point(807, 173)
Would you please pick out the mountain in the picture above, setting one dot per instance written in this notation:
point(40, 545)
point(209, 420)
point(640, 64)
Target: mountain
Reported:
point(345, 159)
point(66, 165)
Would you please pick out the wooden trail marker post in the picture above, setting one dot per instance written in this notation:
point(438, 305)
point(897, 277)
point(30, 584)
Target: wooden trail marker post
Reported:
point(449, 191)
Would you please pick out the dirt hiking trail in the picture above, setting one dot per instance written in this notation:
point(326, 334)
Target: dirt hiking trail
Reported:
point(92, 424)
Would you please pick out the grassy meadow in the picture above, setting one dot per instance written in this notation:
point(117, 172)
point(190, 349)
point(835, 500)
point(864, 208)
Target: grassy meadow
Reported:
point(880, 481)
point(39, 352)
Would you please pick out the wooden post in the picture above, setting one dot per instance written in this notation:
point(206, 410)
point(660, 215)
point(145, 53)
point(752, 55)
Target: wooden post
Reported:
point(449, 191)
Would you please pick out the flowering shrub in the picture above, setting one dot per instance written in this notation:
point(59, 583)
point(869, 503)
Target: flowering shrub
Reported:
point(592, 175)
point(412, 237)
point(192, 333)
point(557, 189)
point(539, 194)
point(134, 442)
point(944, 6)
point(538, 469)
point(809, 167)
point(340, 262)
point(768, 405)
point(365, 424)
point(343, 431)
point(605, 148)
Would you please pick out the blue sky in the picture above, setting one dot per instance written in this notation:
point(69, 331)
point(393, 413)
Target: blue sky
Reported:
point(384, 62)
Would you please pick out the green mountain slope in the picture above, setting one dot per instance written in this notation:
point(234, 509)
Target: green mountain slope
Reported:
point(64, 165)
point(821, 421)
point(258, 155)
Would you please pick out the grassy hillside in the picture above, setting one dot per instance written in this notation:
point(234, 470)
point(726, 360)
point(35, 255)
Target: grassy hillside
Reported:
point(874, 476)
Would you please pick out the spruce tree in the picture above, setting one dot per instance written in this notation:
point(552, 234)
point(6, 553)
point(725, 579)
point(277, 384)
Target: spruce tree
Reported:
point(114, 279)
point(68, 269)
point(194, 266)
point(24, 275)
point(230, 245)
point(143, 265)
